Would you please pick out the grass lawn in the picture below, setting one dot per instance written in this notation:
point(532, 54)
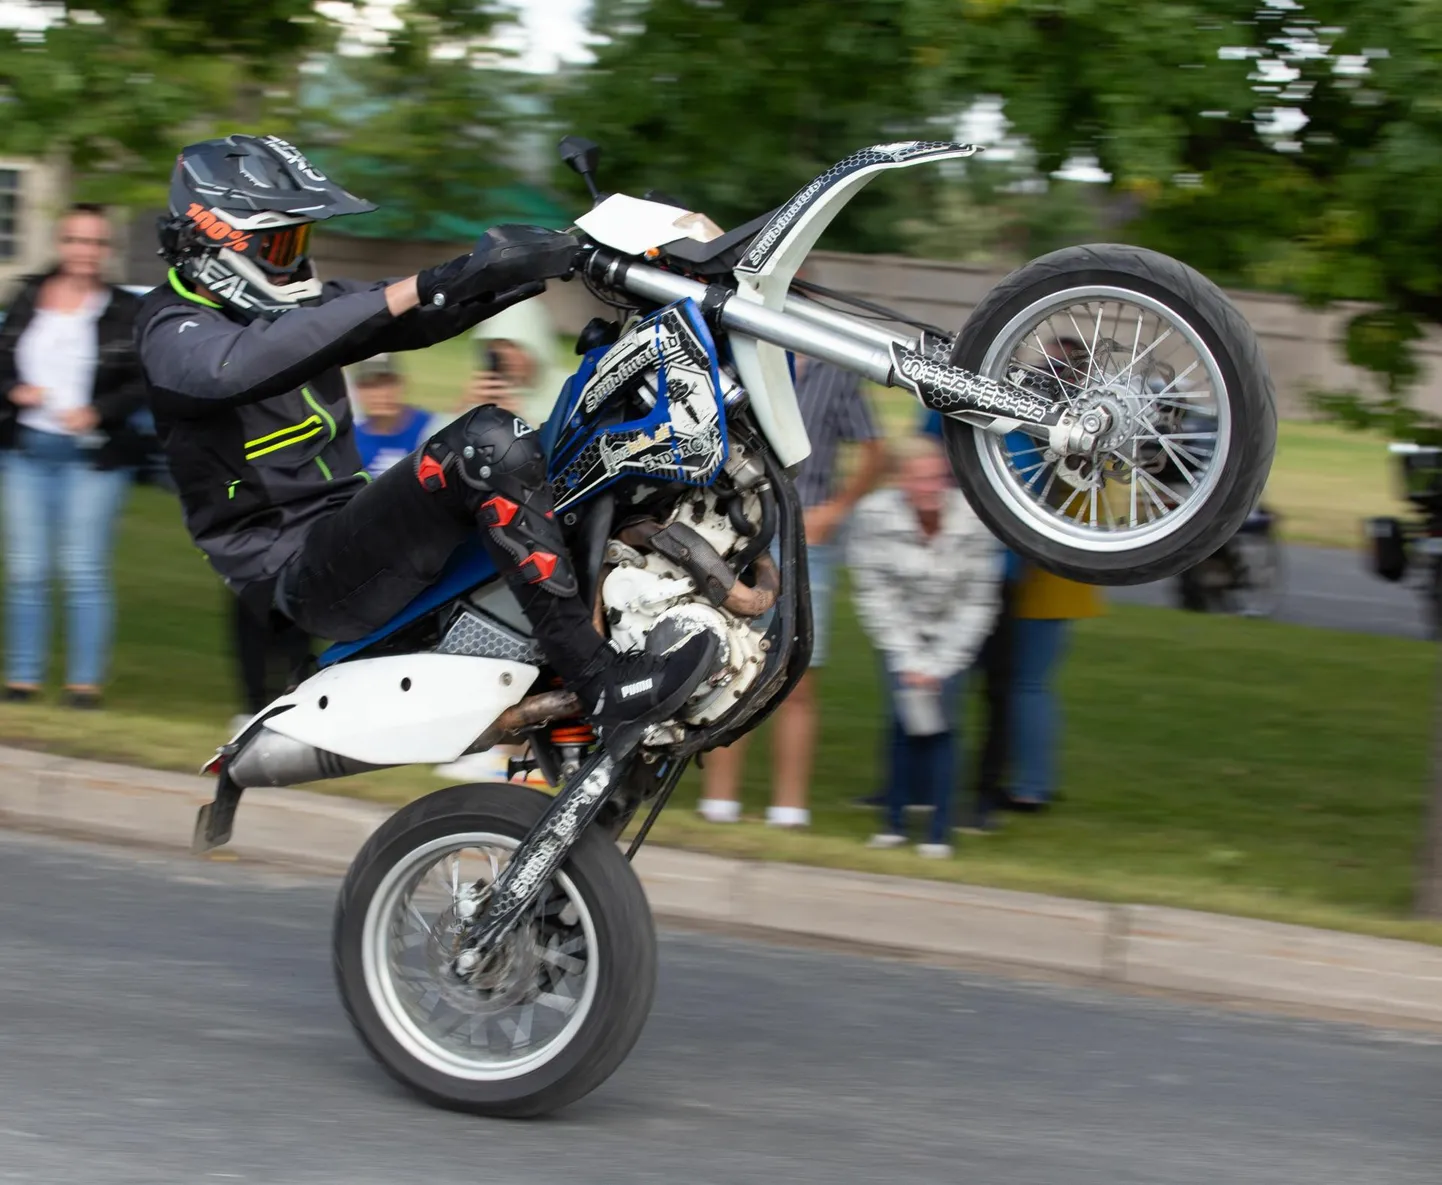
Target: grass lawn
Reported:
point(1239, 766)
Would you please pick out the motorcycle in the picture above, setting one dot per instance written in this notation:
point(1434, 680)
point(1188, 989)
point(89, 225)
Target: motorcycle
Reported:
point(492, 946)
point(1398, 547)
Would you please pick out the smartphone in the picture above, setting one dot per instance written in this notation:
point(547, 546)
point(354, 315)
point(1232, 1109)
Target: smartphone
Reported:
point(490, 359)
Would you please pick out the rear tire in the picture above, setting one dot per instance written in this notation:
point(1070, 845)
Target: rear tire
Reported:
point(601, 895)
point(1248, 440)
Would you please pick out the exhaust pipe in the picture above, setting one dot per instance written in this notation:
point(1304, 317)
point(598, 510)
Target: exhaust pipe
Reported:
point(271, 759)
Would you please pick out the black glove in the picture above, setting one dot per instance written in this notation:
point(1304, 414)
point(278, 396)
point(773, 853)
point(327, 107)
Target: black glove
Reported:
point(504, 257)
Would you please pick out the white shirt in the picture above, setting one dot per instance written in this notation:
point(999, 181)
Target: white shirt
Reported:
point(57, 353)
point(927, 603)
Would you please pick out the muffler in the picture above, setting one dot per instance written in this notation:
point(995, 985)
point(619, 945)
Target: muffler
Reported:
point(270, 759)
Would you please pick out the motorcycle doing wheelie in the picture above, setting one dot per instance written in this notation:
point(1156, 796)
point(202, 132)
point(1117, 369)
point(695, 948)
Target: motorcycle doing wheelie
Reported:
point(492, 945)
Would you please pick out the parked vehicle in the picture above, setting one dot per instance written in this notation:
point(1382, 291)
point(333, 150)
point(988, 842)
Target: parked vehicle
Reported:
point(492, 944)
point(1413, 546)
point(1244, 576)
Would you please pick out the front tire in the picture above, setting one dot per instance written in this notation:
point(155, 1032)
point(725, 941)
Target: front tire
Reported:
point(1175, 496)
point(581, 968)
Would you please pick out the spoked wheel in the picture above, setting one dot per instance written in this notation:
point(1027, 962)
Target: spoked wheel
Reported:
point(1191, 422)
point(526, 1028)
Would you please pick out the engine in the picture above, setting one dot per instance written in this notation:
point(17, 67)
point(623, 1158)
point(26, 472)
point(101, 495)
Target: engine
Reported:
point(684, 569)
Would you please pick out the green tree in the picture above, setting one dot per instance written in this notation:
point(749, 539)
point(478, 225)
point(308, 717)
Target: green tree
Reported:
point(113, 89)
point(425, 124)
point(733, 105)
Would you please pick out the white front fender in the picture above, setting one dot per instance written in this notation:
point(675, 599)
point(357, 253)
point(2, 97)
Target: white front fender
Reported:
point(403, 709)
point(765, 273)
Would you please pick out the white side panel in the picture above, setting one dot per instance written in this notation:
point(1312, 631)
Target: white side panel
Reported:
point(633, 226)
point(402, 709)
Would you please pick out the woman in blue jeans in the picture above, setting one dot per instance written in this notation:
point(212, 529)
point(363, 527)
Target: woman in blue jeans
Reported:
point(71, 385)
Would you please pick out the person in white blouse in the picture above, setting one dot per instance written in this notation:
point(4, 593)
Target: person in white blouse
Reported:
point(70, 388)
point(926, 580)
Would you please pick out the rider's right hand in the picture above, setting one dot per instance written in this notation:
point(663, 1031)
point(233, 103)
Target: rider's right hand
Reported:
point(504, 257)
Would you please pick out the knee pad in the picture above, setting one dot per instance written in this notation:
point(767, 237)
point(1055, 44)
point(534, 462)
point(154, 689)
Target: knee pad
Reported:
point(492, 463)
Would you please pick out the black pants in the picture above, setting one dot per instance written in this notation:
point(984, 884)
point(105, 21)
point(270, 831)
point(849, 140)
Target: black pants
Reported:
point(271, 652)
point(364, 563)
point(996, 665)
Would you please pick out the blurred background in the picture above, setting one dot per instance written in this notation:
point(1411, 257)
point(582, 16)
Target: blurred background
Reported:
point(1268, 755)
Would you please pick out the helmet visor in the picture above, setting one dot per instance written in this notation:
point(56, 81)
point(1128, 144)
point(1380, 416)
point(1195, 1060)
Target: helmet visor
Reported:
point(283, 250)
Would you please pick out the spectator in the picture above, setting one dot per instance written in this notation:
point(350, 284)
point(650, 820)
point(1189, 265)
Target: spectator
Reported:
point(272, 654)
point(516, 363)
point(388, 429)
point(1046, 605)
point(833, 410)
point(926, 576)
point(994, 664)
point(71, 385)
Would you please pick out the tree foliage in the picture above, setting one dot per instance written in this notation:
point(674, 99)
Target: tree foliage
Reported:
point(733, 105)
point(113, 89)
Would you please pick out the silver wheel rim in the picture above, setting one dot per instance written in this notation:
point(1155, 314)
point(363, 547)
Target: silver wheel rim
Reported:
point(516, 1012)
point(1148, 366)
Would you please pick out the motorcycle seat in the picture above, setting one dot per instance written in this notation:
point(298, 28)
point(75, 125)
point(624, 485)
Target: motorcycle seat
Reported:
point(719, 255)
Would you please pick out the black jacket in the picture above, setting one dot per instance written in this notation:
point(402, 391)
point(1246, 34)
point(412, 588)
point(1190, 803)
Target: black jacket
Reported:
point(119, 390)
point(254, 416)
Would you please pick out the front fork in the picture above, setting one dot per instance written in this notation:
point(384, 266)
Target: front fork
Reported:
point(541, 854)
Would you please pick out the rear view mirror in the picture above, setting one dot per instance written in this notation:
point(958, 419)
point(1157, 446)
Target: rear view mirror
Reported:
point(583, 156)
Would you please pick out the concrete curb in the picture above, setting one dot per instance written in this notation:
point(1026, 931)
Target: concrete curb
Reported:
point(1136, 945)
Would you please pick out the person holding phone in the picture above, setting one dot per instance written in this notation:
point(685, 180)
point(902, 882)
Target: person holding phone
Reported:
point(517, 367)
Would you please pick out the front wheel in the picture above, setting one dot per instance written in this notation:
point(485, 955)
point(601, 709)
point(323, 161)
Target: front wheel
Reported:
point(1188, 399)
point(543, 1019)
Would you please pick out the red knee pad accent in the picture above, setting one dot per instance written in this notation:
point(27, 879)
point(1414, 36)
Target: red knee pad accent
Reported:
point(544, 564)
point(431, 474)
point(498, 511)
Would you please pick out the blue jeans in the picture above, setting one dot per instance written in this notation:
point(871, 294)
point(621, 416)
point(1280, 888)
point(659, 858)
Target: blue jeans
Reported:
point(1038, 645)
point(60, 512)
point(923, 769)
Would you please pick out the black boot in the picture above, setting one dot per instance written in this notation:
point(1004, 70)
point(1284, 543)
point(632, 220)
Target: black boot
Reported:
point(646, 686)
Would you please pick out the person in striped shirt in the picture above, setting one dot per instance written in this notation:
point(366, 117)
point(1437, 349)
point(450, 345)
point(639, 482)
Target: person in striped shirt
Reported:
point(834, 412)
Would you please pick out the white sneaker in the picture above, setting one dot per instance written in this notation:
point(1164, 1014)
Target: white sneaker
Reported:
point(934, 851)
point(788, 816)
point(719, 810)
point(489, 766)
point(886, 840)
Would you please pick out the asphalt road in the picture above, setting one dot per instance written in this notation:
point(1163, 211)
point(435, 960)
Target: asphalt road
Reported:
point(173, 1021)
point(1323, 586)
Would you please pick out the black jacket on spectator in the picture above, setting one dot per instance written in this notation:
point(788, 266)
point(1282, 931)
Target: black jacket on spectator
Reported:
point(119, 390)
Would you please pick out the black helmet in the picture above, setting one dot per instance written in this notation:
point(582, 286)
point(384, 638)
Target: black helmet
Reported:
point(239, 222)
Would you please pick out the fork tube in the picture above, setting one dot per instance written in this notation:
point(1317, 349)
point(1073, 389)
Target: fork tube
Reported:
point(848, 349)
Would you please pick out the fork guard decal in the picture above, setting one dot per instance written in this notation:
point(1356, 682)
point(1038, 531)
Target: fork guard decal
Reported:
point(901, 152)
point(951, 389)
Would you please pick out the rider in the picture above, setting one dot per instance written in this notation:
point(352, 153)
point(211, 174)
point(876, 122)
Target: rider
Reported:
point(243, 348)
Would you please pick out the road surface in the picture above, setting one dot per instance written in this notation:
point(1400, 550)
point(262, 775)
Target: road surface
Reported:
point(170, 1021)
point(1326, 587)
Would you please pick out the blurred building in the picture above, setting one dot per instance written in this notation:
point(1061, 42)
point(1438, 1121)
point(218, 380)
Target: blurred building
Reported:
point(31, 193)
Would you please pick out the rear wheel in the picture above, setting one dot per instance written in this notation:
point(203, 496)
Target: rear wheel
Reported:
point(535, 1024)
point(1181, 377)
